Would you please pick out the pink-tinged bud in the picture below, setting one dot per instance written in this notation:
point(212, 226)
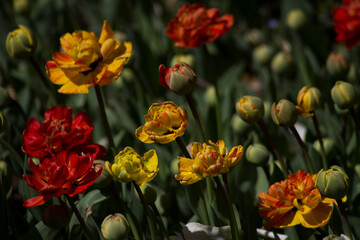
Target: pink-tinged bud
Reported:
point(179, 79)
point(284, 113)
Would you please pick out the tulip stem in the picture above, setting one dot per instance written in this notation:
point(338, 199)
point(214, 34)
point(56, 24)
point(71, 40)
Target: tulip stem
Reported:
point(283, 167)
point(104, 118)
point(161, 223)
point(43, 79)
point(182, 147)
point(344, 219)
point(147, 211)
point(15, 154)
point(303, 149)
point(323, 154)
point(191, 102)
point(78, 216)
point(233, 225)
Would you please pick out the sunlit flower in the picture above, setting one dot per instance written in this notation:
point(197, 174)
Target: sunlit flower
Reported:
point(195, 25)
point(208, 160)
point(164, 122)
point(130, 166)
point(347, 23)
point(294, 201)
point(59, 131)
point(65, 173)
point(87, 60)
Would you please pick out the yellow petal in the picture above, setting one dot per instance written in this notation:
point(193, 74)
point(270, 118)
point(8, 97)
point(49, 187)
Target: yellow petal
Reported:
point(106, 32)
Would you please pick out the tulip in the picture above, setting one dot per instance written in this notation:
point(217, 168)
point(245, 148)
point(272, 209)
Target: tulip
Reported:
point(250, 109)
point(21, 43)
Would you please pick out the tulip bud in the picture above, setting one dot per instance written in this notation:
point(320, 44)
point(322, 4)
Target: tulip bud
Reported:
point(250, 109)
point(174, 166)
point(2, 123)
point(4, 169)
point(179, 79)
point(295, 19)
point(210, 96)
point(185, 58)
point(105, 178)
point(254, 36)
point(20, 43)
point(56, 216)
point(115, 227)
point(284, 113)
point(239, 125)
point(332, 183)
point(149, 193)
point(308, 100)
point(343, 94)
point(329, 146)
point(4, 97)
point(21, 6)
point(282, 64)
point(357, 169)
point(262, 54)
point(337, 65)
point(332, 237)
point(257, 154)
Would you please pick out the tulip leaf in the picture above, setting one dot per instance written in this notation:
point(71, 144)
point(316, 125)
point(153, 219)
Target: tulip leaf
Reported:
point(40, 231)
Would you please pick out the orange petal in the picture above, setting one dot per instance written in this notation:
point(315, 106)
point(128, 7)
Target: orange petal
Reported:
point(106, 32)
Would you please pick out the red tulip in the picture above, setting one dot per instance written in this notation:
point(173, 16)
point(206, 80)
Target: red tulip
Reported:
point(194, 25)
point(65, 173)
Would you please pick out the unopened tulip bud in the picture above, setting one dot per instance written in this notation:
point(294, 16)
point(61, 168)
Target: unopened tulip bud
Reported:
point(250, 109)
point(343, 94)
point(56, 216)
point(284, 113)
point(337, 65)
point(185, 58)
point(257, 154)
point(282, 64)
point(149, 193)
point(333, 183)
point(329, 146)
point(295, 19)
point(105, 178)
point(20, 43)
point(21, 6)
point(239, 125)
point(254, 36)
point(180, 79)
point(115, 227)
point(262, 54)
point(332, 237)
point(2, 123)
point(308, 100)
point(4, 169)
point(210, 96)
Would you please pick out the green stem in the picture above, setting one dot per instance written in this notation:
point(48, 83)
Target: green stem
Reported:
point(233, 225)
point(344, 219)
point(88, 234)
point(356, 120)
point(303, 149)
point(182, 147)
point(283, 166)
point(323, 154)
point(191, 102)
point(15, 154)
point(161, 223)
point(43, 79)
point(147, 211)
point(104, 119)
point(219, 124)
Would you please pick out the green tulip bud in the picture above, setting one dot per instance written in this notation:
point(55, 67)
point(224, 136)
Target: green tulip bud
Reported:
point(239, 125)
point(296, 19)
point(210, 96)
point(262, 54)
point(282, 64)
point(115, 227)
point(21, 6)
point(174, 166)
point(189, 59)
point(149, 193)
point(284, 113)
point(250, 109)
point(329, 146)
point(2, 123)
point(105, 178)
point(253, 36)
point(56, 216)
point(257, 154)
point(20, 43)
point(357, 169)
point(4, 169)
point(343, 94)
point(333, 183)
point(337, 65)
point(332, 237)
